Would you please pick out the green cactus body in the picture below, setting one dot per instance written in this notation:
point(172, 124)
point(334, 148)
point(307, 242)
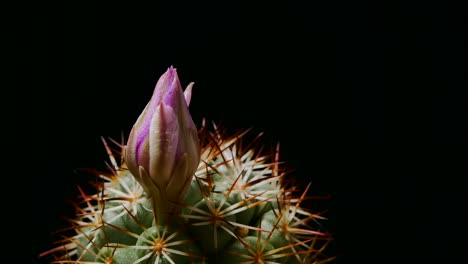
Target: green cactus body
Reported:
point(236, 210)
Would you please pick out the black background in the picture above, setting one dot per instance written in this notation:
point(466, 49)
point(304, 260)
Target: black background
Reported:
point(368, 102)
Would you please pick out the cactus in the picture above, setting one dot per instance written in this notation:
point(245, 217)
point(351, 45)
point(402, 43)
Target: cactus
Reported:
point(231, 203)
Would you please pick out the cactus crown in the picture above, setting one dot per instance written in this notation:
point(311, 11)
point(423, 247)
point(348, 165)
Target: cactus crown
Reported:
point(238, 207)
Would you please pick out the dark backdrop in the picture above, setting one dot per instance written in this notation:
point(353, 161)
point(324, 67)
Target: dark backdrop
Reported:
point(367, 101)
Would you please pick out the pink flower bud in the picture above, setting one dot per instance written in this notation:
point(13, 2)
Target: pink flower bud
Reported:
point(163, 149)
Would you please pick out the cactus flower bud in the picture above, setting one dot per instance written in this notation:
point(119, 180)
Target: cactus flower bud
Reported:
point(163, 149)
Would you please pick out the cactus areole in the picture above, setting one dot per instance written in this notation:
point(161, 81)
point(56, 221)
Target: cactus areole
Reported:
point(183, 194)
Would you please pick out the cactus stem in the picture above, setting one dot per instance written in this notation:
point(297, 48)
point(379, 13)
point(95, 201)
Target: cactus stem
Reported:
point(238, 210)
